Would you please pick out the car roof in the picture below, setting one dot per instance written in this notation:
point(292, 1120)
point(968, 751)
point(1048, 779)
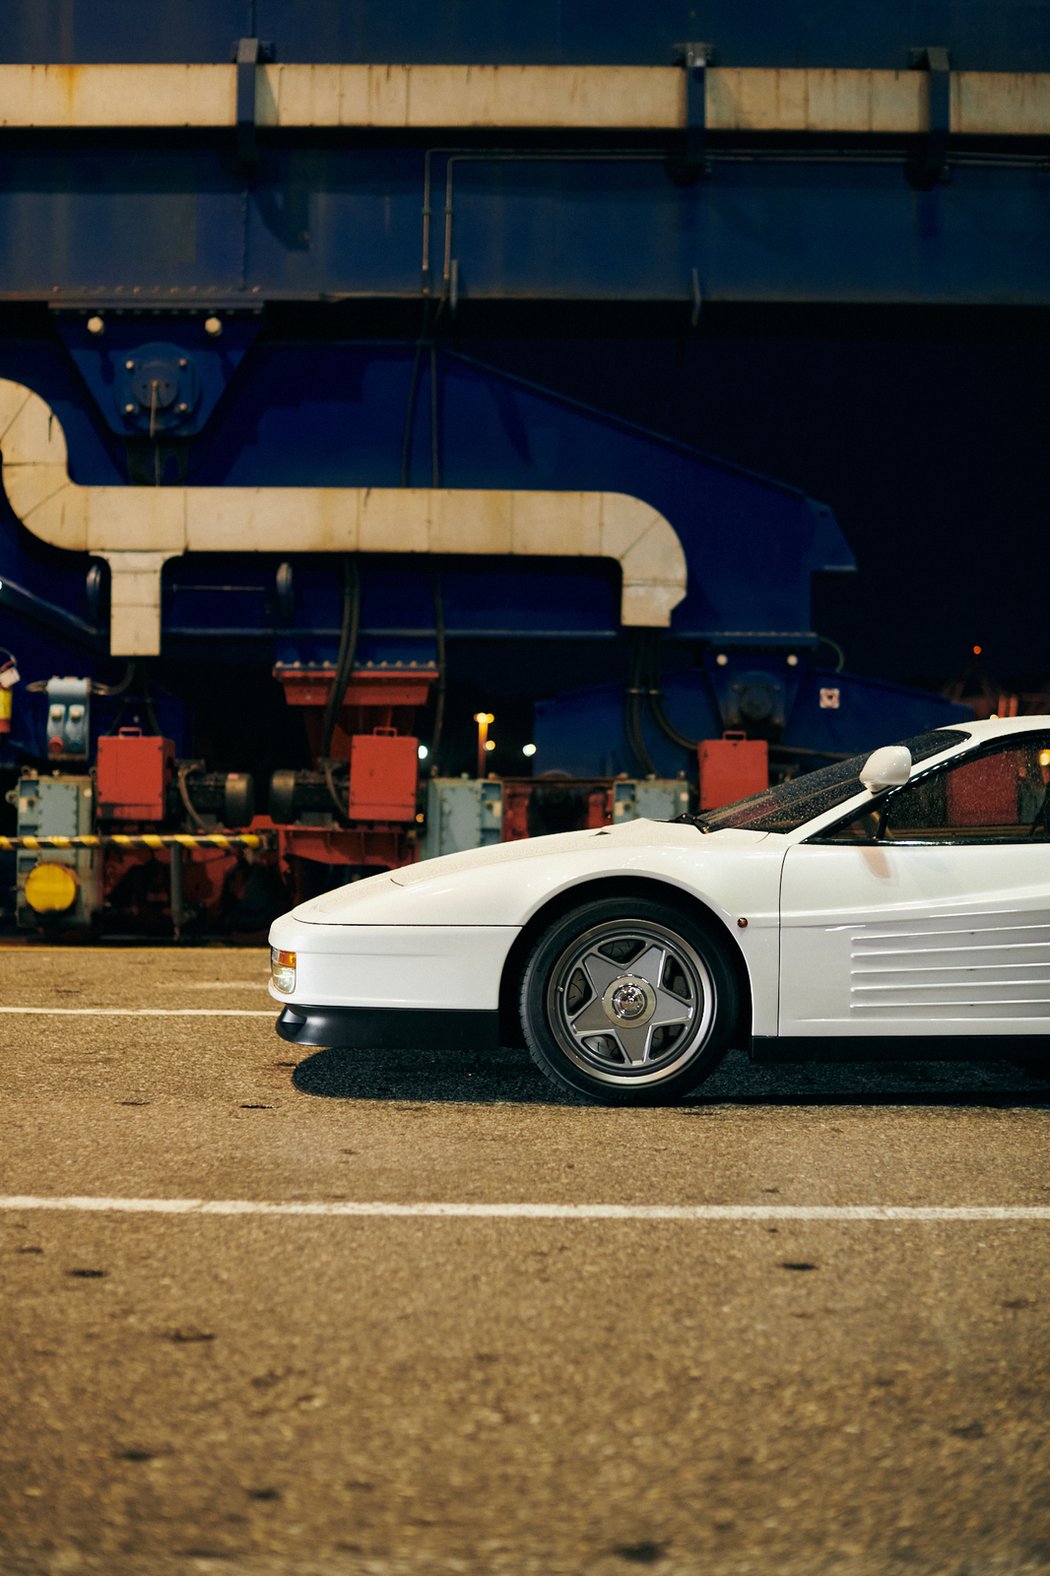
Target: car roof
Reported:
point(1000, 727)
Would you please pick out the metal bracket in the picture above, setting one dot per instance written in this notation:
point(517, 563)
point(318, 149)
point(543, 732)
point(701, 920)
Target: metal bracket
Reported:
point(928, 166)
point(248, 54)
point(695, 58)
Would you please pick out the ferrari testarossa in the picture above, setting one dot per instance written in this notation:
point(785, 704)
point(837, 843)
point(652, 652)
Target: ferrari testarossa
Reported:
point(880, 907)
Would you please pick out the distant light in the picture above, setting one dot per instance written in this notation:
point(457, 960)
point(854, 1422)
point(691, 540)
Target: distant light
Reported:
point(213, 326)
point(528, 749)
point(484, 716)
point(722, 660)
point(977, 650)
point(422, 752)
point(792, 660)
point(490, 744)
point(96, 325)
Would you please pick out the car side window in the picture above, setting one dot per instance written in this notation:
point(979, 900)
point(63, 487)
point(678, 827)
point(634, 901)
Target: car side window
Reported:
point(1001, 795)
point(998, 796)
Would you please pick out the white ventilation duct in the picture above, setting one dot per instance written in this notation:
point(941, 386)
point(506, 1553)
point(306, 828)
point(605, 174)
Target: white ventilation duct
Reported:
point(137, 529)
point(804, 100)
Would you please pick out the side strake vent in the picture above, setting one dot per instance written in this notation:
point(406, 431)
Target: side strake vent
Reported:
point(968, 965)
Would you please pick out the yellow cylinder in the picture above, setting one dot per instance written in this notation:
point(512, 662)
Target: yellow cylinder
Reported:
point(5, 710)
point(51, 889)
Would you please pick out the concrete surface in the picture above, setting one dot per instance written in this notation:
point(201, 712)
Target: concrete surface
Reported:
point(264, 1395)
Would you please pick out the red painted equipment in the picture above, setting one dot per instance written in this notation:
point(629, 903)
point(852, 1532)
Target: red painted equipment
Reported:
point(359, 804)
point(731, 768)
point(384, 770)
point(133, 776)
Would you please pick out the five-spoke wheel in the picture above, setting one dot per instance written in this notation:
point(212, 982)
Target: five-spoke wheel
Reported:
point(628, 1001)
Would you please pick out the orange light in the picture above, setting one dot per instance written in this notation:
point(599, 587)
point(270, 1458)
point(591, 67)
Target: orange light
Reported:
point(977, 650)
point(483, 718)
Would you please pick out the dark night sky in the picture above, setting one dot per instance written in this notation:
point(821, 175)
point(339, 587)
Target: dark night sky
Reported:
point(928, 434)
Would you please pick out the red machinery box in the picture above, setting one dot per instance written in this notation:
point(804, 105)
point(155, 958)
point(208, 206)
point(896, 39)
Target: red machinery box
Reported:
point(384, 769)
point(133, 773)
point(731, 768)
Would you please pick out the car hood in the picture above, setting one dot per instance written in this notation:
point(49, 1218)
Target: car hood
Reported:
point(631, 834)
point(520, 866)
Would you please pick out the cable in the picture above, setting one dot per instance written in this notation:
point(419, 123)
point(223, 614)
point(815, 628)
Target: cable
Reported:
point(439, 642)
point(184, 794)
point(328, 768)
point(119, 688)
point(840, 655)
point(654, 695)
point(347, 649)
point(633, 710)
point(147, 701)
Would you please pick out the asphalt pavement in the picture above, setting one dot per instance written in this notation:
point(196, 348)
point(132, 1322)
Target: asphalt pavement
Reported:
point(267, 1313)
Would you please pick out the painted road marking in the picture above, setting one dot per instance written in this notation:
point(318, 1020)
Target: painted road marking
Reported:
point(144, 1012)
point(947, 1213)
point(256, 984)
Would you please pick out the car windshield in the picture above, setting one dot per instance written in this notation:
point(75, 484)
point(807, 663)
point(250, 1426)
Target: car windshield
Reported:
point(791, 804)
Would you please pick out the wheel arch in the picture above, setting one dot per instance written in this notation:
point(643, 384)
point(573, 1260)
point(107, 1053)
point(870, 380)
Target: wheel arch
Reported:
point(609, 887)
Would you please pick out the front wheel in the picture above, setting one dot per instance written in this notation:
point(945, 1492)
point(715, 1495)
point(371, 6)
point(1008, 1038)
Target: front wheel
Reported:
point(628, 1001)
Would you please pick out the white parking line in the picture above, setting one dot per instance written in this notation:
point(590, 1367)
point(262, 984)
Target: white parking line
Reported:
point(948, 1213)
point(143, 1012)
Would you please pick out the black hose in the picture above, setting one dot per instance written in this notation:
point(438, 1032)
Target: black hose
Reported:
point(442, 668)
point(347, 648)
point(328, 768)
point(147, 700)
point(184, 794)
point(666, 726)
point(633, 723)
point(119, 688)
point(840, 655)
point(648, 683)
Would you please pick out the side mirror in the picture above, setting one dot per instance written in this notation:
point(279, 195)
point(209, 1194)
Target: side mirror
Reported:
point(886, 768)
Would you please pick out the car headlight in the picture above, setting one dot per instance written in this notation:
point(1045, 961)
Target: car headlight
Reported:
point(282, 969)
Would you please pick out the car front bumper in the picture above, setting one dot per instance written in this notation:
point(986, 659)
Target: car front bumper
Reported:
point(388, 1028)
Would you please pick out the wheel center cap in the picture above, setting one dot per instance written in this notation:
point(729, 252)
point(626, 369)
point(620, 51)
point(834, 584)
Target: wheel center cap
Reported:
point(629, 1000)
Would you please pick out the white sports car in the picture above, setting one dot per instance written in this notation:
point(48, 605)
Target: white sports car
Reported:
point(880, 907)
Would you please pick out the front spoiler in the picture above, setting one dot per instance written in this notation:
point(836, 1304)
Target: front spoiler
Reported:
point(388, 1028)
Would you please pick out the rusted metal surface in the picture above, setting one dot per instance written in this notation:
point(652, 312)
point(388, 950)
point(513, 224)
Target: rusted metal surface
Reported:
point(300, 96)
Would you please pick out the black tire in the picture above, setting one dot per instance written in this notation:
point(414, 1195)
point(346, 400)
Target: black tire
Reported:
point(595, 982)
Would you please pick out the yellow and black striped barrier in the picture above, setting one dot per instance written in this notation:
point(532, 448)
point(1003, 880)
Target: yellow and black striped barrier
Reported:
point(146, 840)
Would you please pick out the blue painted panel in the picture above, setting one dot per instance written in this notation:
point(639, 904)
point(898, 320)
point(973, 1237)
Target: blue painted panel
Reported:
point(338, 417)
point(992, 35)
point(584, 731)
point(757, 230)
point(176, 223)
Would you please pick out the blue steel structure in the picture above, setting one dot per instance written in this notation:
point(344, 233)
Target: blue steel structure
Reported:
point(309, 306)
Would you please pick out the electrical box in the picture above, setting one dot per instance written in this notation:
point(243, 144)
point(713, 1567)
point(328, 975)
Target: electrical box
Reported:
point(650, 799)
point(68, 718)
point(133, 773)
point(462, 813)
point(731, 768)
point(55, 886)
point(384, 770)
